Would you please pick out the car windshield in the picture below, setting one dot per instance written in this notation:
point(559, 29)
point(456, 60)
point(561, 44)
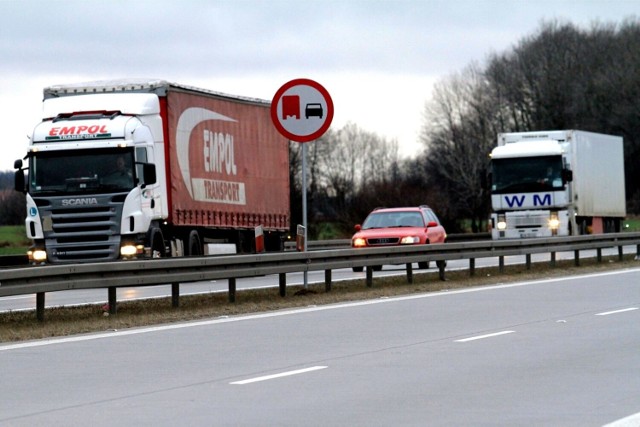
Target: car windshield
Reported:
point(393, 219)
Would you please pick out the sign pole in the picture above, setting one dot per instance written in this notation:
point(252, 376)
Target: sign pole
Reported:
point(304, 206)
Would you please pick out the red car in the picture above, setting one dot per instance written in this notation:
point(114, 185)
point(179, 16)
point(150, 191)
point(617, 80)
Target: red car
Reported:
point(399, 226)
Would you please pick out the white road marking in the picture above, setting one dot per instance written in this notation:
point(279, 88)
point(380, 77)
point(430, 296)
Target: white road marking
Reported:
point(480, 337)
point(606, 313)
point(630, 421)
point(280, 375)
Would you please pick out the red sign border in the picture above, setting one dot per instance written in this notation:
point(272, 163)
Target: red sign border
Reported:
point(274, 110)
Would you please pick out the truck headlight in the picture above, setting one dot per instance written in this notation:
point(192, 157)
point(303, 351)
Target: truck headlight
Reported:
point(409, 240)
point(129, 250)
point(37, 255)
point(502, 223)
point(554, 222)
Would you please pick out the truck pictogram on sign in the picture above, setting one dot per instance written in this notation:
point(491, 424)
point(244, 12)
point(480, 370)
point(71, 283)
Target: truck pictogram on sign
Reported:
point(290, 107)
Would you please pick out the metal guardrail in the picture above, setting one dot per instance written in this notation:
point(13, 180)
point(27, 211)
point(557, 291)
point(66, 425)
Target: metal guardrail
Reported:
point(316, 245)
point(174, 271)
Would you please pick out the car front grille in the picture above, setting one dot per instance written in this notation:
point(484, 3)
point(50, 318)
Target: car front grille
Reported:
point(384, 241)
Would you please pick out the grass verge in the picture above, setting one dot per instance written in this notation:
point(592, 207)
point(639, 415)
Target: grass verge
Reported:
point(64, 321)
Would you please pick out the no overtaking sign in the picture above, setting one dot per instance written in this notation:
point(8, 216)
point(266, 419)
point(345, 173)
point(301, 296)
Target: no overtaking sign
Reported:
point(302, 110)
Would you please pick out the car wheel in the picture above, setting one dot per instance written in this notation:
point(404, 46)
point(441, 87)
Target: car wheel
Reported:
point(441, 264)
point(377, 268)
point(357, 269)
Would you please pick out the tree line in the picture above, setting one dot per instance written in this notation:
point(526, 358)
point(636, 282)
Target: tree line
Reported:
point(559, 77)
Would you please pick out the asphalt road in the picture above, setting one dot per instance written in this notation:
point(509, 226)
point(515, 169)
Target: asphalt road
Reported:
point(99, 296)
point(555, 352)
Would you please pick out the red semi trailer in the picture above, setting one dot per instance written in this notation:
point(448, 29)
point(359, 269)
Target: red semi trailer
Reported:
point(198, 168)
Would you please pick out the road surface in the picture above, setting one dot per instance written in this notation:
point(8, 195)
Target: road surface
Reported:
point(550, 352)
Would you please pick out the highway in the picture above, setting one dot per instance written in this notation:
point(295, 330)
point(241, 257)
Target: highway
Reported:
point(549, 352)
point(99, 296)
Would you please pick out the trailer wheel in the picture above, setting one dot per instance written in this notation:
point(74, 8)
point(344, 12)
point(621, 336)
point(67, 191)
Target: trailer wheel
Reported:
point(194, 246)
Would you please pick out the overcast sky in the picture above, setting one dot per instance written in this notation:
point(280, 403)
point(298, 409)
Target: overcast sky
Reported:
point(378, 59)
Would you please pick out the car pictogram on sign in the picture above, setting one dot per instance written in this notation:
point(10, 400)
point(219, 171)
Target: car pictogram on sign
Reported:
point(313, 110)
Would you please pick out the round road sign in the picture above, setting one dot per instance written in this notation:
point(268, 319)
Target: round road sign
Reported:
point(302, 110)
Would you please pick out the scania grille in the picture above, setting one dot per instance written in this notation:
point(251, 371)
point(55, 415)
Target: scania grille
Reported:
point(82, 233)
point(383, 241)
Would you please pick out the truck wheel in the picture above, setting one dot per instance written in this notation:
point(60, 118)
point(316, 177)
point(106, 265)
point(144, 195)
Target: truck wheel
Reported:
point(157, 245)
point(423, 265)
point(194, 246)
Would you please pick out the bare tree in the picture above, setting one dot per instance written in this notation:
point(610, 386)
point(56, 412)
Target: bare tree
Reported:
point(458, 133)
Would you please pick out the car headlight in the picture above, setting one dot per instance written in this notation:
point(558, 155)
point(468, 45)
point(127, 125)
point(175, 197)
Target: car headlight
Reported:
point(409, 240)
point(358, 242)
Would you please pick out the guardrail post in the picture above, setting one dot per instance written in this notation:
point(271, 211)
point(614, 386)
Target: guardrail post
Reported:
point(369, 275)
point(409, 273)
point(327, 280)
point(576, 258)
point(441, 265)
point(637, 251)
point(232, 290)
point(472, 266)
point(175, 295)
point(501, 263)
point(528, 261)
point(113, 304)
point(620, 253)
point(40, 306)
point(553, 259)
point(599, 255)
point(282, 279)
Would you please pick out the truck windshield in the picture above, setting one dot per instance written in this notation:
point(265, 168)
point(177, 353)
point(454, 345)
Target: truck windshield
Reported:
point(527, 174)
point(81, 172)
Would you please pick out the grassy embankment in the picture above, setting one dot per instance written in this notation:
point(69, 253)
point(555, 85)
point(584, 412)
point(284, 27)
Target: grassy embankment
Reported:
point(13, 240)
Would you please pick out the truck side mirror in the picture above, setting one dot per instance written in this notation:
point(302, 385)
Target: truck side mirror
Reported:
point(567, 175)
point(149, 173)
point(19, 181)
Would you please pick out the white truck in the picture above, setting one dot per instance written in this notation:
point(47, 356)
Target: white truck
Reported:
point(142, 168)
point(556, 183)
